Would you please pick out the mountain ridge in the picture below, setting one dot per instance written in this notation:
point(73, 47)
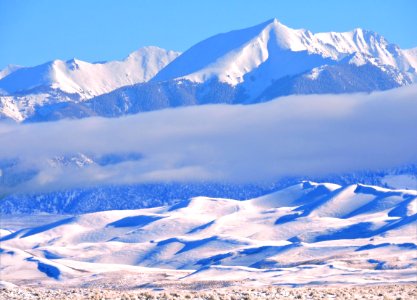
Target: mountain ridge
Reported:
point(70, 76)
point(27, 89)
point(329, 45)
point(243, 66)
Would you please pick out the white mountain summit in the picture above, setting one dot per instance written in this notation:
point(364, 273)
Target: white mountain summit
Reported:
point(74, 80)
point(249, 65)
point(89, 79)
point(269, 51)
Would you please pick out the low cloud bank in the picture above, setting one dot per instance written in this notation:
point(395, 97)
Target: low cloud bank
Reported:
point(292, 136)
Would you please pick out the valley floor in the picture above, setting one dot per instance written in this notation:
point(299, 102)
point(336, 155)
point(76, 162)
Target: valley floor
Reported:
point(207, 291)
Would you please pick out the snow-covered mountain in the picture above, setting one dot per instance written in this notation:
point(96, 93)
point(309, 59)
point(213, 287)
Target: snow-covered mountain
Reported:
point(257, 64)
point(89, 79)
point(267, 52)
point(72, 81)
point(306, 233)
point(9, 69)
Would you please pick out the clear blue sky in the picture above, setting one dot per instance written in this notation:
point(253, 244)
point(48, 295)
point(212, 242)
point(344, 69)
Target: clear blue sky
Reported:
point(36, 31)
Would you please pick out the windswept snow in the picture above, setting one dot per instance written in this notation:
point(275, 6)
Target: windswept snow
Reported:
point(306, 233)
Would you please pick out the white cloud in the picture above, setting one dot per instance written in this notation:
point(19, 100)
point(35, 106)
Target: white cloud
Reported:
point(295, 135)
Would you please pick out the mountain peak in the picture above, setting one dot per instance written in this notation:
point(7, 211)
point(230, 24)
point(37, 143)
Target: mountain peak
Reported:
point(230, 56)
point(73, 63)
point(272, 21)
point(86, 79)
point(264, 61)
point(271, 50)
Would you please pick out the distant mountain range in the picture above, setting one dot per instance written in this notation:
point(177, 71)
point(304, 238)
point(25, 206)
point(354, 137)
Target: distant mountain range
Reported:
point(243, 66)
point(26, 90)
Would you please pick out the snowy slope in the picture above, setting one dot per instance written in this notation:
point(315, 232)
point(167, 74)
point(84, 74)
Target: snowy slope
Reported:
point(250, 65)
point(9, 69)
point(23, 91)
point(89, 79)
point(19, 107)
point(9, 109)
point(271, 50)
point(258, 64)
point(305, 233)
point(411, 57)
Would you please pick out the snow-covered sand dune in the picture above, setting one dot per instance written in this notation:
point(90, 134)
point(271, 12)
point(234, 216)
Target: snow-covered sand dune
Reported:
point(309, 233)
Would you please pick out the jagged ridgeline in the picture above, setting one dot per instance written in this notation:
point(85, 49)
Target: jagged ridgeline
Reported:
point(243, 66)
